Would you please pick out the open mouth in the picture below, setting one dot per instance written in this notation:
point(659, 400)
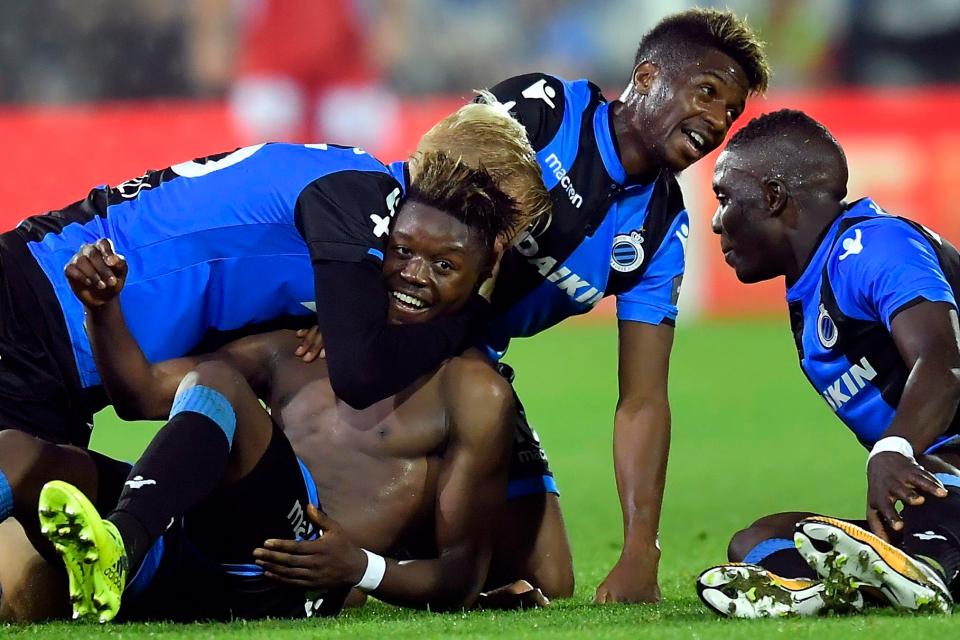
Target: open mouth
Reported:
point(697, 141)
point(409, 303)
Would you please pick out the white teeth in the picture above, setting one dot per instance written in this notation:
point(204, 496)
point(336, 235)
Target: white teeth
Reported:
point(410, 300)
point(698, 139)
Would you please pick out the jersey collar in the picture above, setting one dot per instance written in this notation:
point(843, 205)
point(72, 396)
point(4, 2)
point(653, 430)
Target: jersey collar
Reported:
point(400, 170)
point(607, 144)
point(814, 266)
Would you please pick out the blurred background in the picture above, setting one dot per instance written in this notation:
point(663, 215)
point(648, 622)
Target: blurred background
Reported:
point(98, 91)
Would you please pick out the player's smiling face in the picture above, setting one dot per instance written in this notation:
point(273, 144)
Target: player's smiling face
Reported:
point(749, 234)
point(432, 264)
point(690, 109)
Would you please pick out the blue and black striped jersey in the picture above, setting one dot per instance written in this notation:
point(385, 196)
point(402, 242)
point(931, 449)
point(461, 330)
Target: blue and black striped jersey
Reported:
point(221, 242)
point(608, 235)
point(868, 267)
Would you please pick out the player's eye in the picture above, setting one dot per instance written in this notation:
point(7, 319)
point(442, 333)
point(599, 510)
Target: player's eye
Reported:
point(443, 266)
point(732, 114)
point(707, 90)
point(401, 250)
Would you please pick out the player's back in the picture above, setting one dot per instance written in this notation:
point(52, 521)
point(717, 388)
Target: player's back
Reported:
point(211, 244)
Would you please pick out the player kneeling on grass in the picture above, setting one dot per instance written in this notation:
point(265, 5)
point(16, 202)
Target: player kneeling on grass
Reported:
point(221, 518)
point(873, 307)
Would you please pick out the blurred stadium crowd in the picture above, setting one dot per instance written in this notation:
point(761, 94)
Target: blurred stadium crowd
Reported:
point(287, 65)
point(120, 85)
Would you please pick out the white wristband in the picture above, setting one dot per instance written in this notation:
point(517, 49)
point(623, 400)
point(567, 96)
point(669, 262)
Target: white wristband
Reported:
point(373, 575)
point(895, 444)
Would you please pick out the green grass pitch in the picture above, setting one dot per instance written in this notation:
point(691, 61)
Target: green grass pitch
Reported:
point(749, 438)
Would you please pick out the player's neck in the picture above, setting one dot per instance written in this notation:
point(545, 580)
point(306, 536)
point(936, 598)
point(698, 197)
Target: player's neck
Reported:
point(636, 158)
point(815, 222)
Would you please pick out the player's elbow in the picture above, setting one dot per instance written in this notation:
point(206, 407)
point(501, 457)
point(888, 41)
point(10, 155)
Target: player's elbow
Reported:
point(455, 598)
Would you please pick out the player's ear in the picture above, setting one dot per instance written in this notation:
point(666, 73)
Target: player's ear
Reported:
point(774, 195)
point(643, 76)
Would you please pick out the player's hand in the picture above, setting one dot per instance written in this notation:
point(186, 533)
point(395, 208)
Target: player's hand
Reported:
point(329, 562)
point(486, 289)
point(311, 344)
point(516, 595)
point(892, 477)
point(631, 580)
point(96, 273)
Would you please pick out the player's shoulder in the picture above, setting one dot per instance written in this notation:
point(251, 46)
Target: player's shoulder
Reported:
point(471, 384)
point(335, 155)
point(877, 238)
point(543, 102)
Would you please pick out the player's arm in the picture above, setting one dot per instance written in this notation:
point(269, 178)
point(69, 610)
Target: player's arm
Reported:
point(471, 486)
point(344, 219)
point(641, 429)
point(911, 297)
point(927, 337)
point(138, 388)
point(641, 442)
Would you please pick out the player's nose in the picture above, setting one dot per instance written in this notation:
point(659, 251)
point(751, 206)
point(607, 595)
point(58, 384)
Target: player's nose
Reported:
point(415, 272)
point(715, 222)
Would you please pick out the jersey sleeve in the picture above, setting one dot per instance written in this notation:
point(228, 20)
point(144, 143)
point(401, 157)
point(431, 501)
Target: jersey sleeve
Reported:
point(653, 300)
point(537, 101)
point(345, 220)
point(345, 216)
point(879, 268)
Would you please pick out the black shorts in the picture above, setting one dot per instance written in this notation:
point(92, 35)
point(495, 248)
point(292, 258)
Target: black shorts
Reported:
point(40, 389)
point(529, 470)
point(203, 569)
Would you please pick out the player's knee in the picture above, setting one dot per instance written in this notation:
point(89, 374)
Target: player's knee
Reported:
point(215, 375)
point(20, 453)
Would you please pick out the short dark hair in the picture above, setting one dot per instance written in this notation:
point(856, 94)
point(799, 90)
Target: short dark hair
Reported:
point(469, 194)
point(688, 33)
point(807, 149)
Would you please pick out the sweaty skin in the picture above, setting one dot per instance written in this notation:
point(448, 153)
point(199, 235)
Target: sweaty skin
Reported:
point(418, 473)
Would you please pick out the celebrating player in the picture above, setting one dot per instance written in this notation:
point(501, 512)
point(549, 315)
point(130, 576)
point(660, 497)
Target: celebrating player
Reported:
point(420, 472)
point(215, 245)
point(618, 228)
point(873, 307)
point(221, 244)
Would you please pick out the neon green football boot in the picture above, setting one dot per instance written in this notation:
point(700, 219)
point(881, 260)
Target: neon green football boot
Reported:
point(91, 548)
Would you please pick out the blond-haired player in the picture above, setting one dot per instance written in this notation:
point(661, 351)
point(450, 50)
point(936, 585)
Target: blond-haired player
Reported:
point(260, 236)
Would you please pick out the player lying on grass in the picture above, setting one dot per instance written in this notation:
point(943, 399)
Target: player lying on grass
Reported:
point(224, 244)
point(873, 307)
point(618, 228)
point(418, 475)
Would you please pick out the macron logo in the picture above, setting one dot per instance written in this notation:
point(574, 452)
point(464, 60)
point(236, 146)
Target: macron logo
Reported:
point(540, 90)
point(560, 173)
point(138, 482)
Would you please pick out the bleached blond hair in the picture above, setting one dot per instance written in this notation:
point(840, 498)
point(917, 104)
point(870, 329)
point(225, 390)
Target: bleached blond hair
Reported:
point(483, 134)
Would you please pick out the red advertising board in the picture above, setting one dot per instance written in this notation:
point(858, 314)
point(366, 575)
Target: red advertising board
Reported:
point(901, 146)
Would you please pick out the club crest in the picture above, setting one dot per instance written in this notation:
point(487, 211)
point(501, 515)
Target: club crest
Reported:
point(627, 253)
point(826, 329)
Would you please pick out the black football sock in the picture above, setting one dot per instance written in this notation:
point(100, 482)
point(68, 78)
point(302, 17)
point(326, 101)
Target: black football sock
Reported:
point(931, 531)
point(780, 556)
point(184, 462)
